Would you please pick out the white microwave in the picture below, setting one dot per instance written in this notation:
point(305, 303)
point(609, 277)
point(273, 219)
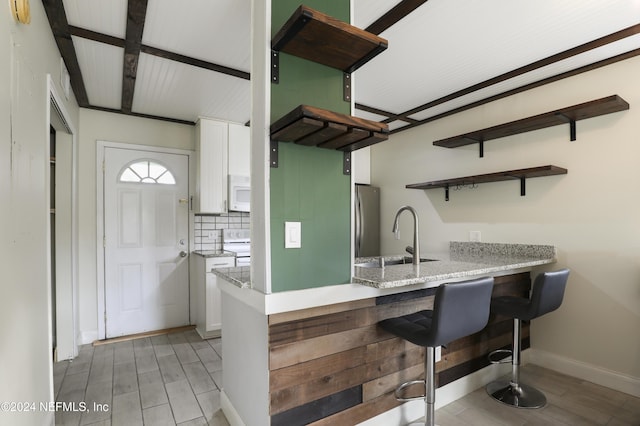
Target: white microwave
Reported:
point(239, 193)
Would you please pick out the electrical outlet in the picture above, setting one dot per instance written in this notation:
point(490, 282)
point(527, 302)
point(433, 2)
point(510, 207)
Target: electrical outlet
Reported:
point(438, 354)
point(475, 236)
point(211, 236)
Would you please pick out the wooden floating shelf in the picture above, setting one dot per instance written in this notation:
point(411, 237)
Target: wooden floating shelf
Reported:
point(311, 126)
point(521, 174)
point(320, 38)
point(569, 115)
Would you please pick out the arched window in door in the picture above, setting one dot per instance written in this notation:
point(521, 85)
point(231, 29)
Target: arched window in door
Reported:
point(146, 171)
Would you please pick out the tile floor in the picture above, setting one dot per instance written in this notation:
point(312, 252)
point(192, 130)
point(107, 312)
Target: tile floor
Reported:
point(175, 379)
point(162, 380)
point(570, 402)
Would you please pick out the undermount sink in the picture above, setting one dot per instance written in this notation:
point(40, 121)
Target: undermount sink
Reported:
point(407, 260)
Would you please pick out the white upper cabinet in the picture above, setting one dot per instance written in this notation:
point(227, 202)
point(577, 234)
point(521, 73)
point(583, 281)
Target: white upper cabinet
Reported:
point(212, 138)
point(222, 149)
point(239, 148)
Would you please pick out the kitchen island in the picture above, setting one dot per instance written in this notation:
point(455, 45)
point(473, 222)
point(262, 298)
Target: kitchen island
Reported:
point(317, 356)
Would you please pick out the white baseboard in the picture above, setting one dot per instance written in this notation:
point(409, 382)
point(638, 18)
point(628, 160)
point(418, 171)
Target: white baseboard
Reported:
point(584, 371)
point(87, 337)
point(229, 410)
point(211, 334)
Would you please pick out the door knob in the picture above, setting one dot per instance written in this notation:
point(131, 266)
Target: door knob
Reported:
point(183, 253)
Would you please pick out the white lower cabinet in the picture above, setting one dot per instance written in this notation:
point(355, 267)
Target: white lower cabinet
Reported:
point(205, 295)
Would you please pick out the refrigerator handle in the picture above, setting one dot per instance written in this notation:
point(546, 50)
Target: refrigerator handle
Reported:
point(358, 224)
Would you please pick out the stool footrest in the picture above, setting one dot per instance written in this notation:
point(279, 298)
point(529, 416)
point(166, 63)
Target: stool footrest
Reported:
point(492, 354)
point(407, 384)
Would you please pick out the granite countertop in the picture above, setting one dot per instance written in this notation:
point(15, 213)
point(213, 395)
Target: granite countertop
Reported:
point(463, 260)
point(239, 276)
point(214, 253)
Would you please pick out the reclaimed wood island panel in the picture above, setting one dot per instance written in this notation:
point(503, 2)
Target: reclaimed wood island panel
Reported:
point(332, 365)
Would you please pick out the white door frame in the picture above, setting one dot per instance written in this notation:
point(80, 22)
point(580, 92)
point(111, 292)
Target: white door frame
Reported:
point(100, 147)
point(67, 348)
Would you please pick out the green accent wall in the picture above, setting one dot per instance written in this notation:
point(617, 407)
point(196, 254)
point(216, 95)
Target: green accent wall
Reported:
point(308, 186)
point(304, 82)
point(310, 189)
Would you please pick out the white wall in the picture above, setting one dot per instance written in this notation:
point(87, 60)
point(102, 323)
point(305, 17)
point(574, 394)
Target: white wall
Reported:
point(592, 214)
point(260, 147)
point(95, 126)
point(28, 54)
point(245, 352)
point(66, 322)
point(361, 166)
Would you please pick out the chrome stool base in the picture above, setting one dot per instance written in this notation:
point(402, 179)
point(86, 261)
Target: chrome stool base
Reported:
point(520, 396)
point(546, 295)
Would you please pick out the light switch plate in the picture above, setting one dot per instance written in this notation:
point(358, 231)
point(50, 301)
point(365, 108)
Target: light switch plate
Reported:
point(292, 235)
point(475, 236)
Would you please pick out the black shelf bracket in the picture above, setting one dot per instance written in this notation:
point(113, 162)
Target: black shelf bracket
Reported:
point(275, 66)
point(273, 157)
point(523, 184)
point(446, 193)
point(346, 87)
point(346, 163)
point(572, 125)
point(480, 142)
point(372, 54)
point(298, 25)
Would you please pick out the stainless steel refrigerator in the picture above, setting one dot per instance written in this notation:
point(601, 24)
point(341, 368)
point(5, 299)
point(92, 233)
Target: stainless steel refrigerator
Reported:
point(367, 221)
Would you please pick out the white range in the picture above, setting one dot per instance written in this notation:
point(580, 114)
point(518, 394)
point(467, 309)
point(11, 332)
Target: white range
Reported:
point(238, 241)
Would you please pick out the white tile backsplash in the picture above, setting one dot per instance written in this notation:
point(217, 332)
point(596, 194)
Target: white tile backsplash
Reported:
point(206, 224)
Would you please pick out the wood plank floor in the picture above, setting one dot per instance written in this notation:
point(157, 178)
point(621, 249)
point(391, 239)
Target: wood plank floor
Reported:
point(175, 379)
point(161, 380)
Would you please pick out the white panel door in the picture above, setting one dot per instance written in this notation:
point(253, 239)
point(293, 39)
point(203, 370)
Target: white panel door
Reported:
point(146, 222)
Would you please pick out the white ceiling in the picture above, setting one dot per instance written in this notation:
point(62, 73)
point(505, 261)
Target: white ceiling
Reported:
point(442, 47)
point(446, 45)
point(213, 31)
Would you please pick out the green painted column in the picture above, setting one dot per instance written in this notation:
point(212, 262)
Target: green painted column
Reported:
point(308, 186)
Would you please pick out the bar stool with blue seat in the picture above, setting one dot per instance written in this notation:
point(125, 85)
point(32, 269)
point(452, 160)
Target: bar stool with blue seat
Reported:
point(546, 296)
point(459, 309)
